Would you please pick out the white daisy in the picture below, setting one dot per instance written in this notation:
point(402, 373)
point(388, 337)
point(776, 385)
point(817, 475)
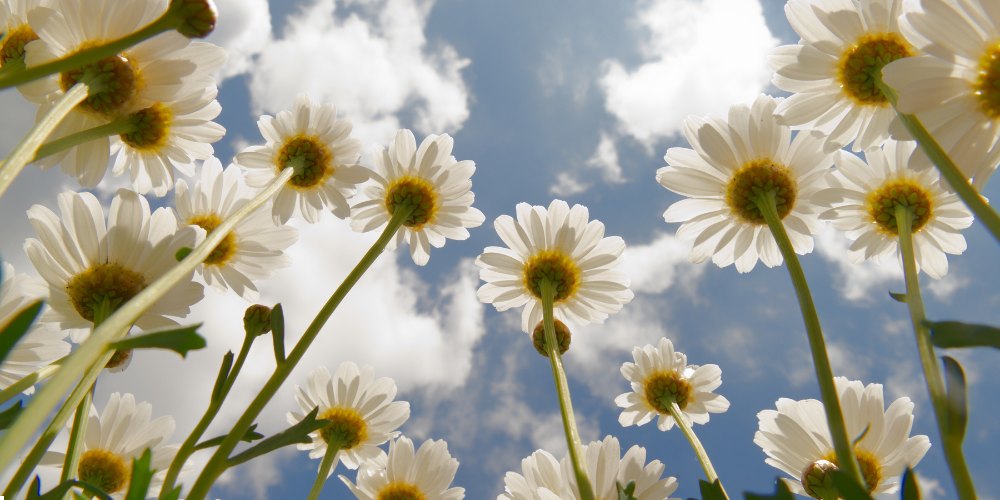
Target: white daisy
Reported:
point(796, 436)
point(42, 345)
point(561, 245)
point(311, 139)
point(121, 433)
point(93, 267)
point(955, 88)
point(253, 250)
point(426, 473)
point(360, 409)
point(661, 376)
point(606, 467)
point(16, 32)
point(870, 193)
point(834, 69)
point(428, 177)
point(731, 161)
point(542, 479)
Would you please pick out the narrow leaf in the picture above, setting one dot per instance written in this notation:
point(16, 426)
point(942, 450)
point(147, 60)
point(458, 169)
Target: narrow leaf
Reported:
point(956, 398)
point(182, 253)
point(174, 494)
point(180, 340)
point(298, 433)
point(958, 334)
point(142, 475)
point(781, 492)
point(898, 297)
point(278, 333)
point(8, 416)
point(627, 492)
point(911, 488)
point(848, 488)
point(249, 436)
point(12, 332)
point(220, 379)
point(63, 489)
point(712, 491)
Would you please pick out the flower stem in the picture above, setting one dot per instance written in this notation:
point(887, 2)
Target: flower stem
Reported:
point(932, 372)
point(817, 345)
point(119, 126)
point(80, 418)
point(325, 466)
point(562, 390)
point(218, 463)
point(699, 450)
point(83, 359)
point(28, 381)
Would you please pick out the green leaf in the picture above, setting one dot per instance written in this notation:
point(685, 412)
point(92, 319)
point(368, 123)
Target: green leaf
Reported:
point(298, 433)
point(174, 494)
point(712, 491)
point(278, 333)
point(898, 297)
point(8, 416)
point(627, 492)
point(911, 489)
point(142, 474)
point(63, 489)
point(848, 488)
point(956, 398)
point(957, 334)
point(17, 327)
point(182, 253)
point(249, 436)
point(781, 492)
point(180, 340)
point(220, 379)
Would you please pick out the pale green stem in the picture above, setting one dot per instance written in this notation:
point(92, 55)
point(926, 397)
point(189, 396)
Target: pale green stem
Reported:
point(329, 459)
point(76, 434)
point(932, 371)
point(87, 354)
point(25, 151)
point(119, 126)
point(562, 390)
point(817, 345)
point(217, 464)
point(28, 381)
point(699, 450)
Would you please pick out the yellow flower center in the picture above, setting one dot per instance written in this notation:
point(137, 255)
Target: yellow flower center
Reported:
point(860, 67)
point(987, 86)
point(119, 358)
point(416, 192)
point(346, 427)
point(663, 387)
point(226, 249)
point(114, 81)
point(755, 179)
point(563, 338)
point(13, 42)
point(556, 267)
point(103, 469)
point(399, 490)
point(881, 204)
point(102, 288)
point(871, 469)
point(152, 128)
point(311, 159)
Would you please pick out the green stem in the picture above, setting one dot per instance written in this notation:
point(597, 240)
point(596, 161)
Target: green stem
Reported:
point(83, 359)
point(562, 390)
point(932, 371)
point(817, 345)
point(217, 464)
point(119, 126)
point(76, 434)
point(25, 151)
point(958, 181)
point(699, 450)
point(324, 472)
point(28, 381)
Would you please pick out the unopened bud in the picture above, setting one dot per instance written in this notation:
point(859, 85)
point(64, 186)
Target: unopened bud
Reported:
point(197, 17)
point(257, 320)
point(119, 360)
point(817, 479)
point(562, 338)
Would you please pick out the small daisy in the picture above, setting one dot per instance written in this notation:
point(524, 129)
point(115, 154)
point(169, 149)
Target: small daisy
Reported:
point(15, 32)
point(955, 88)
point(360, 409)
point(731, 161)
point(870, 193)
point(426, 473)
point(542, 480)
point(795, 437)
point(661, 376)
point(311, 139)
point(606, 467)
point(834, 69)
point(93, 267)
point(253, 250)
point(429, 178)
point(121, 433)
point(561, 245)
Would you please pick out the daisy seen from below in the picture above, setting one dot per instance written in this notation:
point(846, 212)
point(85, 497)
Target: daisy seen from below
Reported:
point(42, 345)
point(736, 164)
point(955, 87)
point(15, 28)
point(253, 250)
point(607, 467)
point(796, 440)
point(661, 376)
point(429, 179)
point(561, 245)
point(312, 140)
point(360, 409)
point(869, 194)
point(93, 267)
point(425, 473)
point(541, 478)
point(834, 69)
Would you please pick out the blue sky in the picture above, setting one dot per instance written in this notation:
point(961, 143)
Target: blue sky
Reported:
point(539, 95)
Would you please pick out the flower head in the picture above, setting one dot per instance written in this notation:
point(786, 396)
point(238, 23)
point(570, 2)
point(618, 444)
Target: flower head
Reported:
point(17, 32)
point(42, 345)
point(426, 473)
point(541, 478)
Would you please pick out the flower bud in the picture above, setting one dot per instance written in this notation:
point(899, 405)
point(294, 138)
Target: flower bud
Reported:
point(562, 338)
point(196, 17)
point(257, 320)
point(817, 479)
point(119, 360)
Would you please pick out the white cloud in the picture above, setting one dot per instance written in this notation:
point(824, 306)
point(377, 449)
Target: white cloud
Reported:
point(243, 29)
point(702, 56)
point(568, 184)
point(605, 159)
point(657, 266)
point(857, 280)
point(945, 287)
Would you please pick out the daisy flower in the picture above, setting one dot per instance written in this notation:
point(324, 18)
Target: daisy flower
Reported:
point(311, 139)
point(834, 69)
point(93, 267)
point(561, 245)
point(428, 178)
point(731, 161)
point(955, 87)
point(16, 32)
point(661, 376)
point(606, 467)
point(121, 433)
point(360, 409)
point(253, 249)
point(795, 437)
point(542, 479)
point(870, 193)
point(42, 345)
point(426, 473)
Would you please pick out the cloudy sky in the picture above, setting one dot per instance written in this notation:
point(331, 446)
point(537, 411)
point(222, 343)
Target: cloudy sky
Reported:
point(576, 100)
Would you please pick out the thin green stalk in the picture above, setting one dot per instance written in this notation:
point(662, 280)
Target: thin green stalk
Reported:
point(83, 359)
point(218, 463)
point(25, 151)
point(932, 371)
point(119, 126)
point(76, 434)
point(562, 390)
point(817, 346)
point(324, 472)
point(28, 381)
point(699, 450)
